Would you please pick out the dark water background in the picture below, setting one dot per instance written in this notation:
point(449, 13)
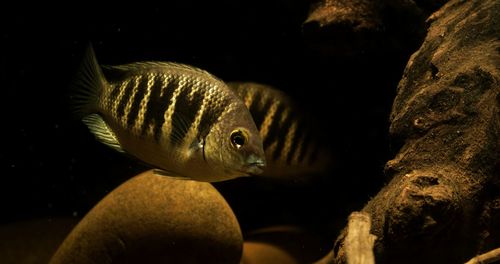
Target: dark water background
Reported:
point(50, 165)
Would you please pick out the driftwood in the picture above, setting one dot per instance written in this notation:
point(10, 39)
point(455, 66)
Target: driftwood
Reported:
point(350, 27)
point(442, 204)
point(359, 242)
point(488, 257)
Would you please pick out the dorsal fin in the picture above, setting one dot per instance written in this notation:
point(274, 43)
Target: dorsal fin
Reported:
point(87, 85)
point(126, 69)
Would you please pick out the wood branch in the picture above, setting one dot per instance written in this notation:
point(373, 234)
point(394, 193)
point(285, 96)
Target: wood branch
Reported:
point(359, 242)
point(350, 27)
point(486, 258)
point(446, 120)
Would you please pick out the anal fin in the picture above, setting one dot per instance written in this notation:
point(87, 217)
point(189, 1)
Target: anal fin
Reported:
point(169, 174)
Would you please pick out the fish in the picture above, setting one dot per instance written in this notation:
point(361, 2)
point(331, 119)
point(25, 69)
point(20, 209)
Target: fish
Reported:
point(179, 119)
point(291, 145)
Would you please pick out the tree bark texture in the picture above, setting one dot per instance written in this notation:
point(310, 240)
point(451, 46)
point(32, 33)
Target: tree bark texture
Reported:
point(442, 204)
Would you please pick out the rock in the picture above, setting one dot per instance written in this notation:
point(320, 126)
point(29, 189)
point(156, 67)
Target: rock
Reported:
point(265, 253)
point(156, 219)
point(281, 244)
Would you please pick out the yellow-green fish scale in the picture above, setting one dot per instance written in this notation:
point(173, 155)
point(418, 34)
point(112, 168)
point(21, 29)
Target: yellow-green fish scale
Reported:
point(148, 104)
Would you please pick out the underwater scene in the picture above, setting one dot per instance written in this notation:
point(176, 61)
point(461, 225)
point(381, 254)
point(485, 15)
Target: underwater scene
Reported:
point(325, 131)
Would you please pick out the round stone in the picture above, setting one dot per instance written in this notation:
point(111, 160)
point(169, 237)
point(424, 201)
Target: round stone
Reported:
point(156, 219)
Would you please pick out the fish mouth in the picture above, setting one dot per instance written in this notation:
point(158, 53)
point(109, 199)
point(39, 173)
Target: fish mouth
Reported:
point(254, 170)
point(255, 165)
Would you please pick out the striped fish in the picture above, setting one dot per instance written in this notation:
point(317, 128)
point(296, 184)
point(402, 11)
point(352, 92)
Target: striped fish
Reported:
point(177, 118)
point(289, 141)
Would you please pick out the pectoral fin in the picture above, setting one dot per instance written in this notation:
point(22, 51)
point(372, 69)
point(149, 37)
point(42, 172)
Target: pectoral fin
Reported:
point(102, 131)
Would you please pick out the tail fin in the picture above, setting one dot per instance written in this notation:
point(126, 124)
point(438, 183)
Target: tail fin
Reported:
point(87, 86)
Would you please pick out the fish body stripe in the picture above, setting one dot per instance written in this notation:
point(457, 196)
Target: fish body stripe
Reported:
point(163, 103)
point(271, 148)
point(174, 87)
point(274, 128)
point(294, 135)
point(139, 81)
point(121, 91)
point(196, 130)
point(211, 108)
point(247, 95)
point(137, 128)
point(304, 146)
point(187, 105)
point(116, 89)
point(254, 104)
point(253, 100)
point(137, 99)
point(115, 93)
point(269, 118)
point(264, 113)
point(287, 142)
point(297, 149)
point(157, 105)
point(210, 116)
point(125, 96)
point(286, 122)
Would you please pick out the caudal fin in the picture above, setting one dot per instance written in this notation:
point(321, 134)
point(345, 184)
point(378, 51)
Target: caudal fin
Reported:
point(87, 86)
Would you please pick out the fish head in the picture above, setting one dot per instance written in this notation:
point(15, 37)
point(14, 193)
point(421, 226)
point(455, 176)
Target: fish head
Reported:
point(236, 145)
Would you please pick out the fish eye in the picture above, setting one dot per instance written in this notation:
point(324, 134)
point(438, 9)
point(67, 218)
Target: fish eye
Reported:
point(238, 138)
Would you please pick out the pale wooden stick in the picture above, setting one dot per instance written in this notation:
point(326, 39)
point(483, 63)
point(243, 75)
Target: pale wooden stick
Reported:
point(359, 242)
point(488, 257)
